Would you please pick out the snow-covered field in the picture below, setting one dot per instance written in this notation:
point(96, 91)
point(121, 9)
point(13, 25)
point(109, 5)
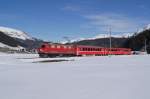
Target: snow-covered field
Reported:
point(22, 76)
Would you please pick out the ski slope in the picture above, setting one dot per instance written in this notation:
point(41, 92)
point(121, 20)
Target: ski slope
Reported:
point(22, 76)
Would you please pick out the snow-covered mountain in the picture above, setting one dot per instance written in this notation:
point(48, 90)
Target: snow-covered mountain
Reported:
point(124, 35)
point(2, 45)
point(16, 39)
point(15, 33)
point(100, 36)
point(143, 29)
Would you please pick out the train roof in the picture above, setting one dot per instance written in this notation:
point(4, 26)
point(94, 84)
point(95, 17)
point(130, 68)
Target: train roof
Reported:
point(85, 46)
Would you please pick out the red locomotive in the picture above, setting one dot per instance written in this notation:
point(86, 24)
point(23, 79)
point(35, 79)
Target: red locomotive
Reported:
point(53, 50)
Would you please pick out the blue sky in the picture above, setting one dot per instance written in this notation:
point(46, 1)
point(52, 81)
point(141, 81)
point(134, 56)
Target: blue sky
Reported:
point(53, 19)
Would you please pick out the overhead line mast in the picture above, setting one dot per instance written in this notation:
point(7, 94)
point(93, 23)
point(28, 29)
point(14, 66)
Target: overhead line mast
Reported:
point(110, 41)
point(145, 46)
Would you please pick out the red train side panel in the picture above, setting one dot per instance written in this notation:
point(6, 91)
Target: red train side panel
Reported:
point(56, 50)
point(78, 50)
point(92, 50)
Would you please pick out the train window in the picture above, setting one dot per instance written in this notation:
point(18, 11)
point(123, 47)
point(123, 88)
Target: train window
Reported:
point(52, 46)
point(43, 46)
point(84, 49)
point(58, 46)
point(69, 47)
point(114, 49)
point(65, 47)
point(81, 49)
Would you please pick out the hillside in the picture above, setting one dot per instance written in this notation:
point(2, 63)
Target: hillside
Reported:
point(14, 33)
point(103, 42)
point(137, 41)
point(11, 38)
point(5, 39)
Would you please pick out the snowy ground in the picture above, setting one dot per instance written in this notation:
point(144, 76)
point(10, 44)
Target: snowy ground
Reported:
point(103, 77)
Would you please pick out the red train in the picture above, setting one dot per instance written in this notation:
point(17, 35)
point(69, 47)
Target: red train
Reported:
point(53, 50)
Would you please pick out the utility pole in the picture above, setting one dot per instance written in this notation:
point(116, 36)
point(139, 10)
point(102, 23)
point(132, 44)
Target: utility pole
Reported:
point(67, 39)
point(105, 44)
point(104, 41)
point(110, 45)
point(145, 46)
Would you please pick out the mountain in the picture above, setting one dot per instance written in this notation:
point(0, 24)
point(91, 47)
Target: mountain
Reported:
point(15, 33)
point(9, 42)
point(103, 40)
point(99, 36)
point(136, 41)
point(16, 39)
point(140, 40)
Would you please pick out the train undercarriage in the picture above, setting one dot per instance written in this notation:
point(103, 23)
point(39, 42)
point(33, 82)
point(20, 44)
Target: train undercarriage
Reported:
point(45, 55)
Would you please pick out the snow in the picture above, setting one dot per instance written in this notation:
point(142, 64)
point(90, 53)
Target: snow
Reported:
point(143, 29)
point(2, 45)
point(124, 35)
point(15, 33)
point(101, 77)
point(99, 36)
point(148, 27)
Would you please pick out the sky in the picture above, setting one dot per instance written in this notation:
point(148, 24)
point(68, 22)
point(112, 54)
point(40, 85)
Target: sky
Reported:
point(55, 19)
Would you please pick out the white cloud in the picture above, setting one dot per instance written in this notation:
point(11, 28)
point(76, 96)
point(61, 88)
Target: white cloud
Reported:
point(117, 22)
